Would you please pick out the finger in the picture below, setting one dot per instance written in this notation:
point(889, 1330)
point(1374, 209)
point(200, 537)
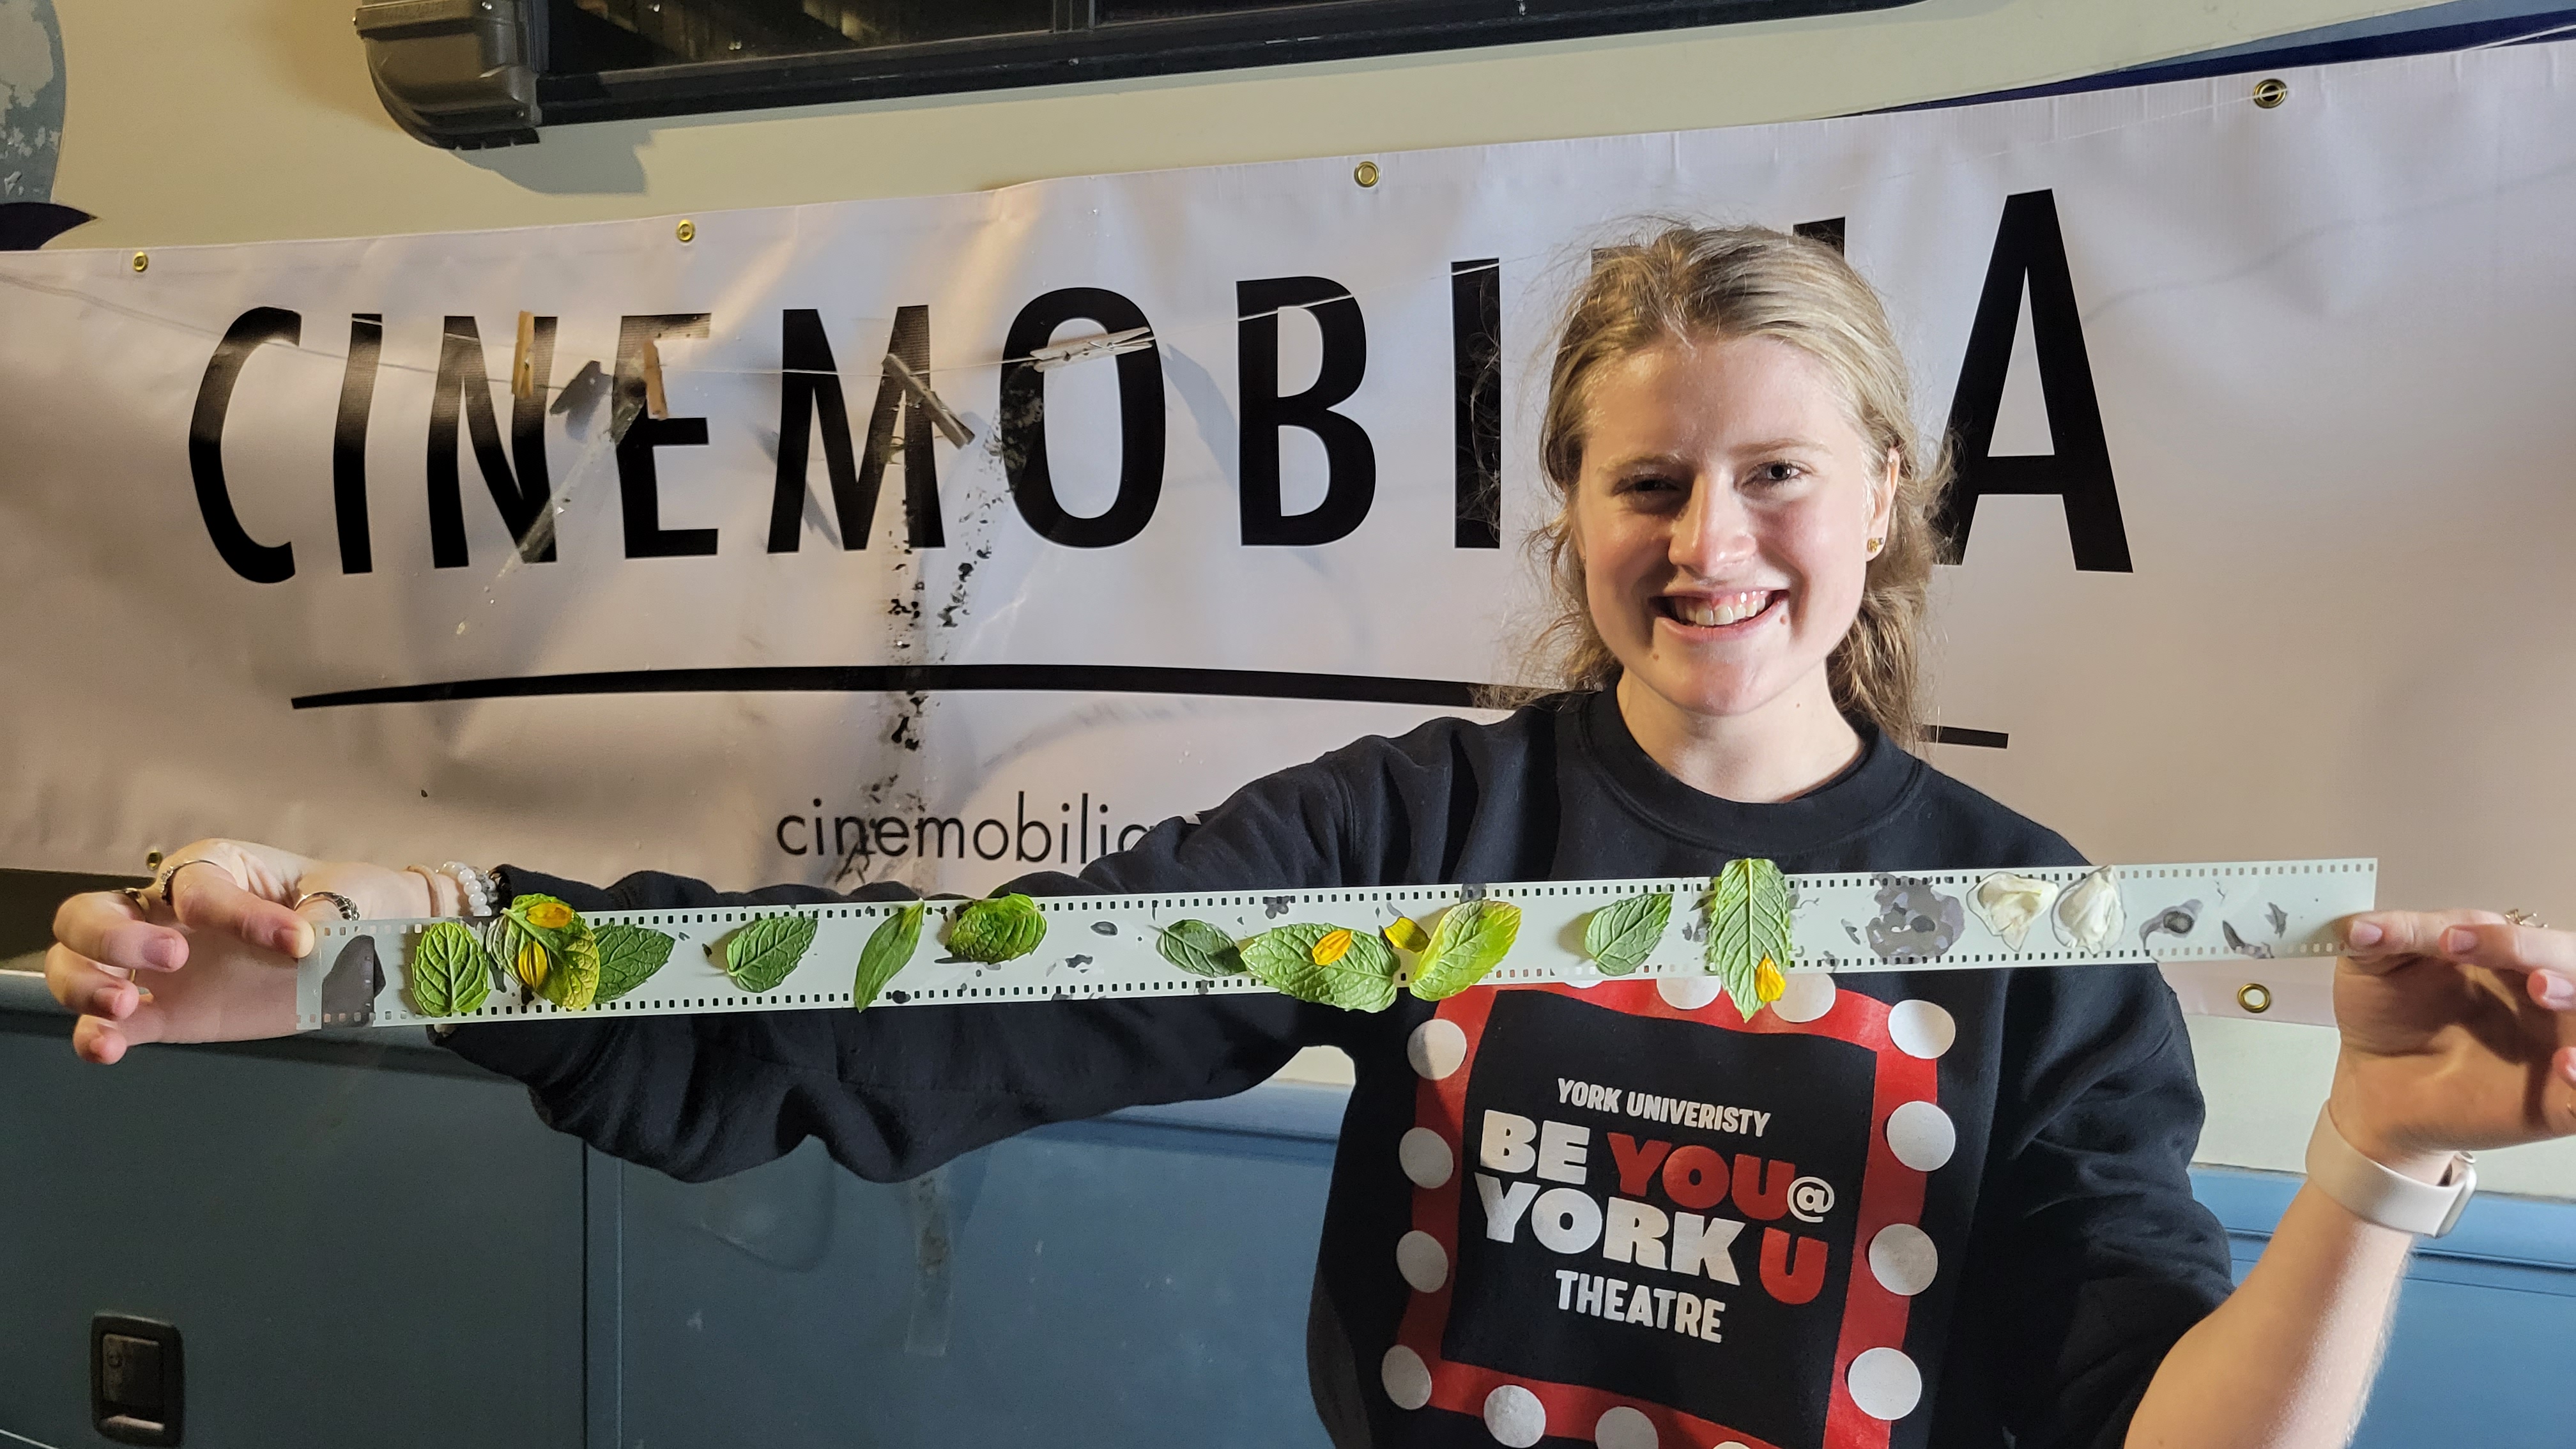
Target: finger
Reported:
point(105, 1042)
point(2506, 947)
point(2551, 989)
point(105, 926)
point(2373, 938)
point(87, 987)
point(97, 1041)
point(2553, 1099)
point(209, 899)
point(314, 915)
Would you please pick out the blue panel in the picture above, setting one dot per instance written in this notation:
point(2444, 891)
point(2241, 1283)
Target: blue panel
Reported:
point(2483, 1313)
point(2479, 1366)
point(352, 1255)
point(1142, 1281)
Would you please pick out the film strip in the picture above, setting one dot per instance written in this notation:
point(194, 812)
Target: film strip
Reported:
point(368, 973)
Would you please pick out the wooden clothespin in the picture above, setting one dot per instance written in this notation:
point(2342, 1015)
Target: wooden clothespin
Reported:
point(523, 363)
point(957, 433)
point(656, 403)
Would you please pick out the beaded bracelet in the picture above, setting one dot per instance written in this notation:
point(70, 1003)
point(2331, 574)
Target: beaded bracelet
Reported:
point(476, 890)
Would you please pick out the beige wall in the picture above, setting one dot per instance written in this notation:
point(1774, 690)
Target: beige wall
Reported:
point(253, 119)
point(2264, 1081)
point(240, 120)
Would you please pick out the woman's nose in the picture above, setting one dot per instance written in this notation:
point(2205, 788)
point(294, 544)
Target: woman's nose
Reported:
point(1712, 533)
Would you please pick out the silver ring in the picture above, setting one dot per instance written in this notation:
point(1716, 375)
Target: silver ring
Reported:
point(347, 907)
point(170, 874)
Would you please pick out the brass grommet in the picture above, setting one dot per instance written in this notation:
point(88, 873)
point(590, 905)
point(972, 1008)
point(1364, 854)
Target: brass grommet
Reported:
point(2255, 997)
point(1365, 173)
point(688, 231)
point(142, 261)
point(2271, 93)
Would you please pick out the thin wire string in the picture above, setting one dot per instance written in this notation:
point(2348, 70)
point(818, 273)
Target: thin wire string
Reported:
point(2531, 39)
point(1211, 329)
point(1155, 334)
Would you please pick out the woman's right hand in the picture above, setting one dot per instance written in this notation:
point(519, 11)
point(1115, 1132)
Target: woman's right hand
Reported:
point(215, 961)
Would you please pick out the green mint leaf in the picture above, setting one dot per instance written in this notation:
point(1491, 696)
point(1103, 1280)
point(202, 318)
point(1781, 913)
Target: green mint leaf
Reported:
point(1004, 928)
point(1199, 948)
point(573, 981)
point(889, 950)
point(1362, 978)
point(628, 957)
point(1470, 940)
point(550, 920)
point(760, 955)
point(450, 974)
point(1621, 935)
point(1748, 923)
point(501, 938)
point(517, 952)
point(495, 965)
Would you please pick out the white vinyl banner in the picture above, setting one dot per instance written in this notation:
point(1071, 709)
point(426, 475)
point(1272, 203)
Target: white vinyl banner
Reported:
point(2267, 493)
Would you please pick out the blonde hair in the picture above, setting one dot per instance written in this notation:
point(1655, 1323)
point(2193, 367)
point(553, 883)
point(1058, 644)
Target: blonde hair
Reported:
point(1686, 283)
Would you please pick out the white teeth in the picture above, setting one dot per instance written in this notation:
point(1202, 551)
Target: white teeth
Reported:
point(1712, 613)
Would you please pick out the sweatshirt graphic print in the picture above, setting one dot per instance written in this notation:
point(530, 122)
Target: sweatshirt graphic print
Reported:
point(1637, 1217)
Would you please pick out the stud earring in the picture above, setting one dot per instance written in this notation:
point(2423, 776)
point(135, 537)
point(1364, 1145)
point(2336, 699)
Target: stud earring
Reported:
point(1875, 545)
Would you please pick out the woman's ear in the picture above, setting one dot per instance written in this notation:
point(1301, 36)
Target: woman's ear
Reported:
point(1882, 509)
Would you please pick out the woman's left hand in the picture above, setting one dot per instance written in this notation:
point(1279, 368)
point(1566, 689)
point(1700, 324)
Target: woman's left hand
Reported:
point(2459, 1034)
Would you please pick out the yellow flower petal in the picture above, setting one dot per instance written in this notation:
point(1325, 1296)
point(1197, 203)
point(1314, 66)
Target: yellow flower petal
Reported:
point(532, 965)
point(1768, 983)
point(550, 915)
point(1404, 935)
point(1333, 947)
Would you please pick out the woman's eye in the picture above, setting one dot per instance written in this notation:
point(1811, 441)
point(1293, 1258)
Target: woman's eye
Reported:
point(1649, 484)
point(1774, 474)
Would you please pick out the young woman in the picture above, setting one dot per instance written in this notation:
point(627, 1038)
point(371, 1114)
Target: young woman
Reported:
point(1509, 1251)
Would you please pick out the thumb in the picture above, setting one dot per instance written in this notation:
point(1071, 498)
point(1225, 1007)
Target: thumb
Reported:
point(2377, 942)
point(212, 899)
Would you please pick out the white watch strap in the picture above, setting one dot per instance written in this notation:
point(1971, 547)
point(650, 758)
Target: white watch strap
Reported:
point(2377, 1193)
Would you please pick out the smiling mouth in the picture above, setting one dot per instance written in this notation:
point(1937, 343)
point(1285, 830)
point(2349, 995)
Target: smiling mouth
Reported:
point(1719, 611)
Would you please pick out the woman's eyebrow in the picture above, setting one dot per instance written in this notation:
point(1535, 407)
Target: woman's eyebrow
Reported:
point(1683, 458)
point(1667, 459)
point(1790, 444)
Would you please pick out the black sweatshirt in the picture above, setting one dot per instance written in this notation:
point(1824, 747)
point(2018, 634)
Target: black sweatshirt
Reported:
point(1623, 1211)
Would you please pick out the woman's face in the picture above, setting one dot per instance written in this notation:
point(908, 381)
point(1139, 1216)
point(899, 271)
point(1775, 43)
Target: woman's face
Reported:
point(1723, 516)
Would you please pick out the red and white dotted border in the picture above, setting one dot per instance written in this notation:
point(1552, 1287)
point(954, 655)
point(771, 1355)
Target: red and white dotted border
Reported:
point(1875, 1382)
